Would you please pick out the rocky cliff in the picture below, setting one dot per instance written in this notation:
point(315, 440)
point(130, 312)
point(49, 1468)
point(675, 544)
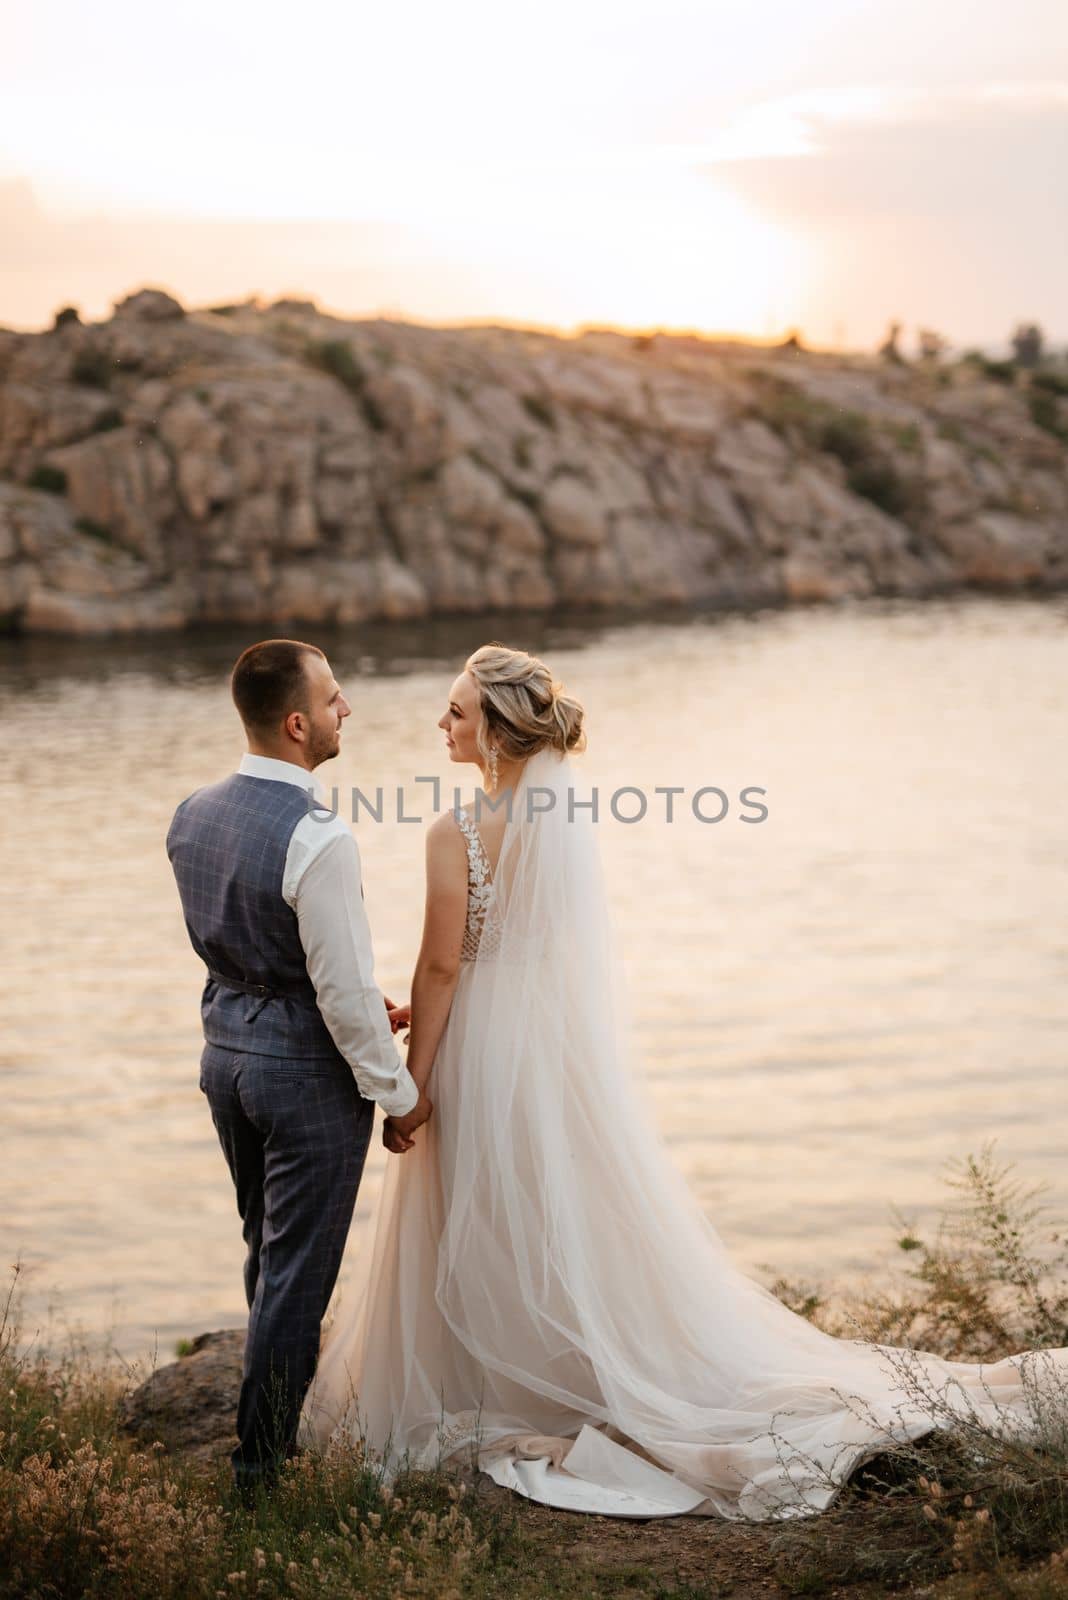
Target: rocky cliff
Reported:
point(276, 465)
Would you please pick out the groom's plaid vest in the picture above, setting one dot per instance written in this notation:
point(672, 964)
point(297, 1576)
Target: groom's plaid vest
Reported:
point(227, 845)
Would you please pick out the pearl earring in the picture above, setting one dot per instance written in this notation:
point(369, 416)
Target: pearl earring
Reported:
point(493, 768)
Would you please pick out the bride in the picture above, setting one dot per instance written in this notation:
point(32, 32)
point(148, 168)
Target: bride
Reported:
point(543, 1293)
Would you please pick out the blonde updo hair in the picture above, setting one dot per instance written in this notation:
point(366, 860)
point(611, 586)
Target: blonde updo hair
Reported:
point(524, 708)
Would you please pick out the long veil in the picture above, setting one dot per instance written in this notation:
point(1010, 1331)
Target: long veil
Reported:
point(575, 1270)
point(559, 1170)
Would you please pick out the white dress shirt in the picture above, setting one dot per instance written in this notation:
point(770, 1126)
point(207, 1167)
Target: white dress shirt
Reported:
point(322, 884)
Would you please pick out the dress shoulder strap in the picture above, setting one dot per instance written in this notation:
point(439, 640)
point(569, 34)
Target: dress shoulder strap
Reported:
point(476, 850)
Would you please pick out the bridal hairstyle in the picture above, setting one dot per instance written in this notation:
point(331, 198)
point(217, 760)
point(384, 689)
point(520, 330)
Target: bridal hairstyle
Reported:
point(268, 682)
point(524, 708)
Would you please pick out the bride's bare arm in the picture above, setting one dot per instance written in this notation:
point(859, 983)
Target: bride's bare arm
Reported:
point(438, 966)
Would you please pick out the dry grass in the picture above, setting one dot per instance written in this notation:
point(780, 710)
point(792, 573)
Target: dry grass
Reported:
point(961, 1515)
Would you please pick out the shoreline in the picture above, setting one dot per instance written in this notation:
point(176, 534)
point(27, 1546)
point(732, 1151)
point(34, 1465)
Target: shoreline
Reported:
point(437, 640)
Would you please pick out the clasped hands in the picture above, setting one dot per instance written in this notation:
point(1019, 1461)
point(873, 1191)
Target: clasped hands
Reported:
point(397, 1131)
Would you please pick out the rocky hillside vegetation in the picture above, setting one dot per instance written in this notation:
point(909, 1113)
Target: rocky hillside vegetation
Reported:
point(270, 464)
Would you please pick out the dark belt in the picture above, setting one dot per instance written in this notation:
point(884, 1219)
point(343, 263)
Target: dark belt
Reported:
point(265, 991)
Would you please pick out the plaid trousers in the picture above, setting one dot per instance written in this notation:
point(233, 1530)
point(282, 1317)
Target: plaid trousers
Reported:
point(295, 1135)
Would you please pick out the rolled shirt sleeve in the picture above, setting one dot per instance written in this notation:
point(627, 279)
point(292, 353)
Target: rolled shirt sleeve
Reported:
point(323, 887)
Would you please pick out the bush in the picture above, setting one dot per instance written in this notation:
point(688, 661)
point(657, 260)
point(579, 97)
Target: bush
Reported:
point(998, 371)
point(1050, 381)
point(882, 484)
point(967, 1499)
point(870, 471)
point(784, 406)
point(907, 436)
point(52, 479)
point(338, 358)
point(1045, 412)
point(65, 316)
point(847, 435)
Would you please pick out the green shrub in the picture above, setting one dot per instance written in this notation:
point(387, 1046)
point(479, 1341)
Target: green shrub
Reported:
point(882, 484)
point(847, 435)
point(338, 358)
point(1051, 382)
point(65, 316)
point(871, 471)
point(52, 479)
point(788, 410)
point(908, 437)
point(1045, 413)
point(999, 371)
point(967, 1500)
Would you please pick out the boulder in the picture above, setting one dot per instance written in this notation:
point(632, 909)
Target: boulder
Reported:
point(190, 1405)
point(150, 305)
point(574, 512)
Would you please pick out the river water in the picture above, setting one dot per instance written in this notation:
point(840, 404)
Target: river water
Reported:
point(831, 1004)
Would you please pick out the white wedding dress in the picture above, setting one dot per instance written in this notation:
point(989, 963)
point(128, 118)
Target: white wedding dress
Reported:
point(543, 1291)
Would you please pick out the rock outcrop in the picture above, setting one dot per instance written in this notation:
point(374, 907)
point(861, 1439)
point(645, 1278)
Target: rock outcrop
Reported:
point(276, 465)
point(190, 1405)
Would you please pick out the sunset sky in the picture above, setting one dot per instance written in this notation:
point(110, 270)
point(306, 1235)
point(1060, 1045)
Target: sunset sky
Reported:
point(736, 168)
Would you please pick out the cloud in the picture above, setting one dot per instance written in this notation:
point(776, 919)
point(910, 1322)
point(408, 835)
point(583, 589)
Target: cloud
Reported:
point(969, 156)
point(945, 207)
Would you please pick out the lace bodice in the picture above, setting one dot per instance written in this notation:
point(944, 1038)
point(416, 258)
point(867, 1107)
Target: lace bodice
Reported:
point(479, 888)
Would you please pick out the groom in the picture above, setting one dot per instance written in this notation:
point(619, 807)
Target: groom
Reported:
point(298, 1038)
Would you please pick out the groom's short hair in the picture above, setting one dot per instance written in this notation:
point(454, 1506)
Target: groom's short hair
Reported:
point(268, 682)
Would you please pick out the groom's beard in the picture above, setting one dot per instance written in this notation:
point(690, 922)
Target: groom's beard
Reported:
point(330, 746)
